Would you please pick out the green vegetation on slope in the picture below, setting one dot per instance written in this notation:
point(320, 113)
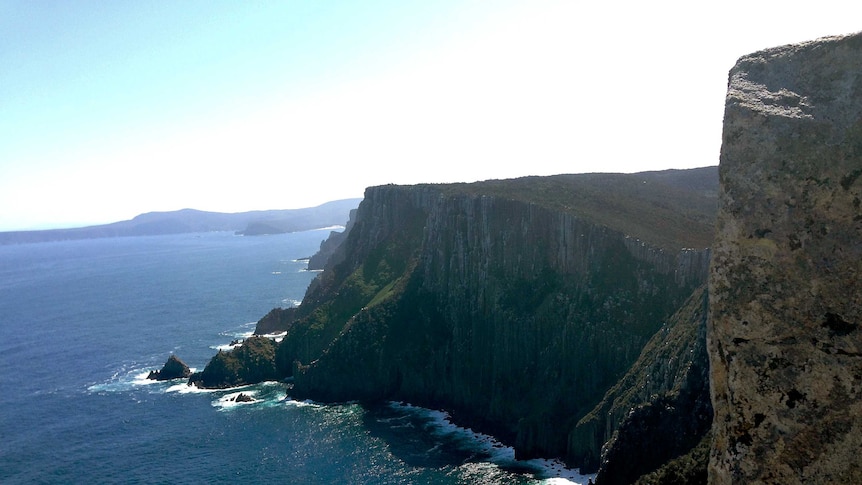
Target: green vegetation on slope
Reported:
point(251, 362)
point(347, 289)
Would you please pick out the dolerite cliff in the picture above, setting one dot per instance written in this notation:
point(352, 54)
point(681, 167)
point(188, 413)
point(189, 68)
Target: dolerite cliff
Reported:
point(786, 279)
point(517, 305)
point(330, 245)
point(660, 409)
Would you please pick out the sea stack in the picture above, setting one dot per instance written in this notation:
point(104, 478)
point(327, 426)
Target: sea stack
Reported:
point(174, 368)
point(786, 278)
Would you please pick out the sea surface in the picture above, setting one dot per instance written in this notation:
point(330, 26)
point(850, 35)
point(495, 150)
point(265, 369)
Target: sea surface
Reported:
point(83, 322)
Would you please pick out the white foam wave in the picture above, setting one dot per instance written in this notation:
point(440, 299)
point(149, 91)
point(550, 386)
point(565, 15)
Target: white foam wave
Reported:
point(290, 302)
point(246, 330)
point(236, 336)
point(550, 471)
point(141, 379)
point(127, 380)
point(186, 388)
point(247, 333)
point(226, 347)
point(330, 228)
point(302, 404)
point(265, 394)
point(278, 336)
point(230, 400)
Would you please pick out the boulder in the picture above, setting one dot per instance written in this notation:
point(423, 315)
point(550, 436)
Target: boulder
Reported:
point(242, 397)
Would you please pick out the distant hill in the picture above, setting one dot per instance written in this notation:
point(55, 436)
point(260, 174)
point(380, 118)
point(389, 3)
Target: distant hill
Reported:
point(190, 220)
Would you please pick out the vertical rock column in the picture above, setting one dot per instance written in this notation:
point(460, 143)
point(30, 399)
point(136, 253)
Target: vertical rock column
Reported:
point(784, 335)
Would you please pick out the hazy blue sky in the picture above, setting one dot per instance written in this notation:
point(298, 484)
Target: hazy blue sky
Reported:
point(113, 108)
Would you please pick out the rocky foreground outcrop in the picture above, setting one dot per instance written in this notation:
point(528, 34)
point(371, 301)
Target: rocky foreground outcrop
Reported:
point(786, 280)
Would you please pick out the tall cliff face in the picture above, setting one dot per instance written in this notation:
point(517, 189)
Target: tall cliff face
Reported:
point(515, 304)
point(786, 279)
point(660, 409)
point(329, 246)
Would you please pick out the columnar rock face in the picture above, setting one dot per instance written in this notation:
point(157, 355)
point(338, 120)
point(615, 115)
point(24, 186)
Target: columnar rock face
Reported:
point(660, 409)
point(786, 279)
point(514, 304)
point(330, 245)
point(520, 306)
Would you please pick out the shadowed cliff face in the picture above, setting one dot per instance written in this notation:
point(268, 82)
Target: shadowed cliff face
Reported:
point(786, 281)
point(660, 409)
point(516, 316)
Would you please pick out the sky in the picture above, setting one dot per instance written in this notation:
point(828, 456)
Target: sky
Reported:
point(112, 109)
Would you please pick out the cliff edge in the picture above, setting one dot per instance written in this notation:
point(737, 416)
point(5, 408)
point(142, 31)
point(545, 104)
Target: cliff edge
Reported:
point(786, 280)
point(513, 304)
point(526, 308)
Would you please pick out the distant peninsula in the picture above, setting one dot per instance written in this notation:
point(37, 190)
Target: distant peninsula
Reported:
point(251, 223)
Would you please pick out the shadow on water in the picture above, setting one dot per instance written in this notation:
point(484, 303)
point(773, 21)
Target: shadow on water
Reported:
point(411, 438)
point(424, 438)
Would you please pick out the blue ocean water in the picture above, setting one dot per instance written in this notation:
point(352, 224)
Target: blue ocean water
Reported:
point(84, 321)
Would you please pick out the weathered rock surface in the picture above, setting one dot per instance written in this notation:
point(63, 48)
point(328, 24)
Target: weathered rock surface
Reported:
point(786, 278)
point(174, 368)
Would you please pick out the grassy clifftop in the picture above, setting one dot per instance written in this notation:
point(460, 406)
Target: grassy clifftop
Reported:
point(667, 208)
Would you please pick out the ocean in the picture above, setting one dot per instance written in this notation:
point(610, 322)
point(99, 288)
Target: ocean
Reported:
point(83, 322)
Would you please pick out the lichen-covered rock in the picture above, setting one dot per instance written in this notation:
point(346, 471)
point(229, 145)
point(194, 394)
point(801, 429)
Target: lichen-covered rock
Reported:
point(174, 368)
point(786, 279)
